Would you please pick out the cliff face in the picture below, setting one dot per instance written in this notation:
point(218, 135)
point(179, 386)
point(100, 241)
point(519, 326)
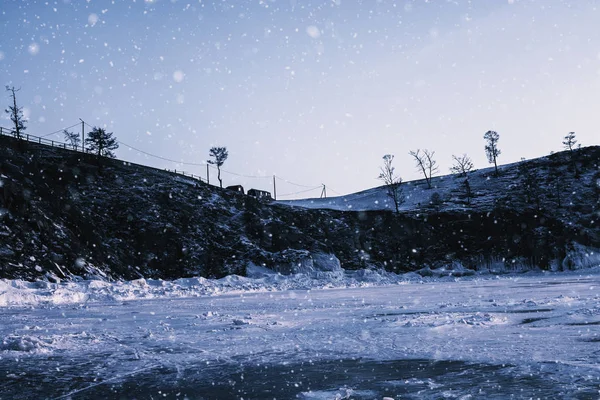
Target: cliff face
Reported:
point(65, 213)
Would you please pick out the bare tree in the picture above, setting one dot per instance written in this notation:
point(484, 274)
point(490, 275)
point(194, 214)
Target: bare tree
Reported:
point(73, 138)
point(462, 165)
point(101, 142)
point(392, 181)
point(425, 163)
point(491, 148)
point(219, 155)
point(16, 113)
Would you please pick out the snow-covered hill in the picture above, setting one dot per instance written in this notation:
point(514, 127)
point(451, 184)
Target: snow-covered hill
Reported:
point(487, 189)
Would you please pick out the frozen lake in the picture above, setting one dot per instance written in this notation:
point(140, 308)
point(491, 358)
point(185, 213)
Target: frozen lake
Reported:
point(533, 336)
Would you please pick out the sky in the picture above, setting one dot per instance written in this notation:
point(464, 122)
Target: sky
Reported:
point(314, 92)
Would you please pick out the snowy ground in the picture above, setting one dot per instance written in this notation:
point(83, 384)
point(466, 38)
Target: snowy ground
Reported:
point(416, 194)
point(533, 336)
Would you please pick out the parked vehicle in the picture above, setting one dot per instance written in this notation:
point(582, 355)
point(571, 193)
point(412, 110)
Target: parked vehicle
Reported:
point(237, 188)
point(260, 194)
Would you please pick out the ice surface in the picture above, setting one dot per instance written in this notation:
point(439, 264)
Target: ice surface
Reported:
point(328, 275)
point(534, 335)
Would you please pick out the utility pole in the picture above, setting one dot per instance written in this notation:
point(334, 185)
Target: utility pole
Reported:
point(82, 135)
point(324, 191)
point(207, 175)
point(274, 189)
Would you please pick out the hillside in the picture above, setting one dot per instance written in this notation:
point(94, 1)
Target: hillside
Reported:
point(487, 189)
point(64, 213)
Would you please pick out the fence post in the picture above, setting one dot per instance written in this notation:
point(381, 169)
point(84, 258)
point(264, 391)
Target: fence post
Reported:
point(40, 140)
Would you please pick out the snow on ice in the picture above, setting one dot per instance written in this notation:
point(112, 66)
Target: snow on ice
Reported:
point(359, 335)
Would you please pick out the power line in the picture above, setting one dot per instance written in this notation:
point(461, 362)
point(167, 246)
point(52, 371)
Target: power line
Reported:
point(302, 191)
point(188, 163)
point(334, 191)
point(222, 170)
point(60, 130)
point(160, 157)
point(292, 183)
point(182, 162)
point(242, 175)
point(203, 164)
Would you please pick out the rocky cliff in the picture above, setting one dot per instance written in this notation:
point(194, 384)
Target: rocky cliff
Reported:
point(65, 213)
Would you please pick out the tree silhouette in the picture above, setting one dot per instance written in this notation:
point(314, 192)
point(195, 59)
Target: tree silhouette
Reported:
point(219, 155)
point(462, 165)
point(425, 163)
point(101, 142)
point(16, 113)
point(392, 182)
point(73, 138)
point(491, 148)
point(569, 143)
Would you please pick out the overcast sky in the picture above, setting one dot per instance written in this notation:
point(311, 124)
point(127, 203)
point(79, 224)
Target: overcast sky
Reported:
point(312, 91)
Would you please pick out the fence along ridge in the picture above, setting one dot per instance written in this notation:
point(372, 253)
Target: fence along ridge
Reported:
point(80, 149)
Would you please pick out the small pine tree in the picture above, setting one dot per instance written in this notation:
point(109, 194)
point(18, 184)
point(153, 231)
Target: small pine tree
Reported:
point(219, 155)
point(101, 142)
point(491, 148)
point(16, 113)
point(569, 143)
point(392, 182)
